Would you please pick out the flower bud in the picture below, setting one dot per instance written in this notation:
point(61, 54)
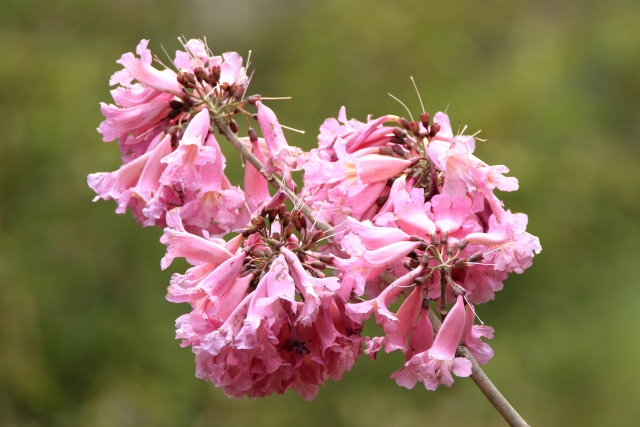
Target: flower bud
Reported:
point(289, 230)
point(399, 151)
point(258, 253)
point(253, 99)
point(327, 259)
point(233, 126)
point(239, 92)
point(399, 133)
point(476, 257)
point(200, 74)
point(319, 265)
point(435, 128)
point(174, 113)
point(424, 119)
point(395, 140)
point(253, 136)
point(214, 75)
point(425, 259)
point(286, 219)
point(444, 238)
point(176, 104)
point(258, 222)
point(187, 80)
point(404, 123)
point(458, 290)
point(415, 128)
point(449, 251)
point(385, 151)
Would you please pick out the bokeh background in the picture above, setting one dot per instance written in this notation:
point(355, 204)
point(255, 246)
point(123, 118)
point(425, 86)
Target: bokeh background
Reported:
point(86, 336)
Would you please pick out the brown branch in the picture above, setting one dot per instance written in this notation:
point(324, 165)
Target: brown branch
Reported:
point(272, 179)
point(485, 385)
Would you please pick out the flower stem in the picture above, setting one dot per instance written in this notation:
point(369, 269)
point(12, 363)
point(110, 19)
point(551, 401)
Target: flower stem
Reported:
point(485, 385)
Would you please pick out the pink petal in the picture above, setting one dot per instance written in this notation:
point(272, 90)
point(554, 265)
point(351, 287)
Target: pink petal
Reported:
point(450, 333)
point(407, 314)
point(186, 245)
point(376, 237)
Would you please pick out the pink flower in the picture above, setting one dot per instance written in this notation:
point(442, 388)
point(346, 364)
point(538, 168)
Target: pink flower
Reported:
point(142, 71)
point(255, 184)
point(371, 263)
point(407, 315)
point(507, 246)
point(434, 366)
point(259, 350)
point(282, 158)
point(471, 335)
point(120, 121)
point(361, 311)
point(182, 244)
point(264, 319)
point(162, 113)
point(346, 176)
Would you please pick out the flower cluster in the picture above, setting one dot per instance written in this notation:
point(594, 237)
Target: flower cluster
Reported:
point(264, 316)
point(402, 210)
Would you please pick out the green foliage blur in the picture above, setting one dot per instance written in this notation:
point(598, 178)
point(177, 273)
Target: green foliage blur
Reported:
point(86, 336)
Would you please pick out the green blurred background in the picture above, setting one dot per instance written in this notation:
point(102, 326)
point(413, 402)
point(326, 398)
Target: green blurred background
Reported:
point(86, 336)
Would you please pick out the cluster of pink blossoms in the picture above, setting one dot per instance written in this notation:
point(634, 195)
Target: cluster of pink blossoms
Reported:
point(277, 303)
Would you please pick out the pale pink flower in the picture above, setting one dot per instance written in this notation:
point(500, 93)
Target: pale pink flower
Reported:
point(140, 69)
point(407, 315)
point(182, 244)
point(361, 311)
point(255, 184)
point(158, 114)
point(434, 366)
point(371, 263)
point(246, 327)
point(282, 158)
point(471, 335)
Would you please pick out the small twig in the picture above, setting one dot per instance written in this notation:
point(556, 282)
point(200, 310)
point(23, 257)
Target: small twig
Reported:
point(272, 179)
point(485, 385)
